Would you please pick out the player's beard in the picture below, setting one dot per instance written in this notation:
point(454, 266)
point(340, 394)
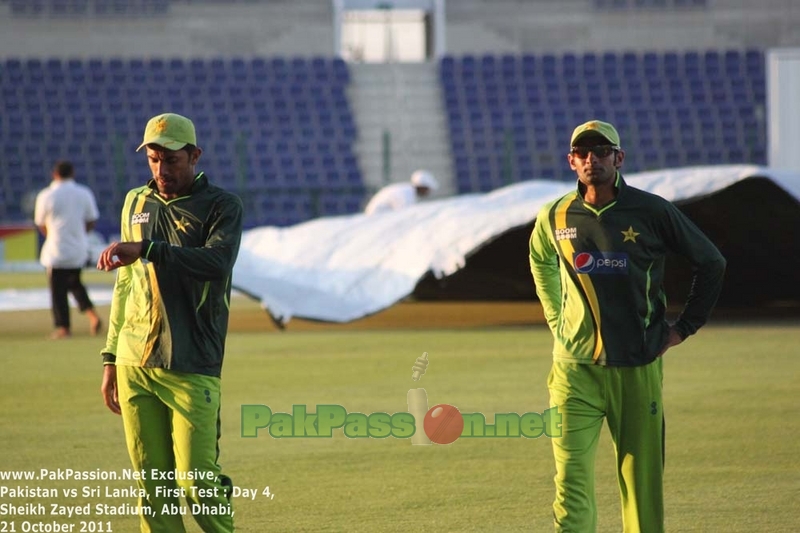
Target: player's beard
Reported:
point(597, 175)
point(172, 186)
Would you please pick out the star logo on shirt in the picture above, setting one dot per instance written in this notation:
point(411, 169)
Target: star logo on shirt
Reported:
point(182, 224)
point(629, 235)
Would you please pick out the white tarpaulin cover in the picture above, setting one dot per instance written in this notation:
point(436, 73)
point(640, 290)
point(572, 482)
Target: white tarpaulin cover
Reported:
point(339, 269)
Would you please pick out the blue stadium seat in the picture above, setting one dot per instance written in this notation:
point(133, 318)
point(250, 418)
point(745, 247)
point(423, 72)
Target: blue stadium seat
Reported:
point(670, 65)
point(735, 155)
point(712, 64)
point(758, 155)
point(552, 100)
point(610, 65)
point(691, 64)
point(651, 64)
point(589, 66)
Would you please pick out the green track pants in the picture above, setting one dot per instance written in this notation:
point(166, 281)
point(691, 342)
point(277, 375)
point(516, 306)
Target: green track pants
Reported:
point(171, 422)
point(629, 399)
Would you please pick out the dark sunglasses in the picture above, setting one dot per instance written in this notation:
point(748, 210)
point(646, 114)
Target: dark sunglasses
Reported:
point(599, 151)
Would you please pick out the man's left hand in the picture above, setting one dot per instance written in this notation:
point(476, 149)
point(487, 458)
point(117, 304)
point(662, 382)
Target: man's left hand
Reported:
point(673, 339)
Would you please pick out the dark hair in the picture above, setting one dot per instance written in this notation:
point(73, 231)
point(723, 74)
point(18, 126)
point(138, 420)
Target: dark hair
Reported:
point(64, 169)
point(188, 148)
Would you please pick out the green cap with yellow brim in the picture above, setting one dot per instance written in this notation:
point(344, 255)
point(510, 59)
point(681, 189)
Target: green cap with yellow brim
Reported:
point(595, 127)
point(170, 131)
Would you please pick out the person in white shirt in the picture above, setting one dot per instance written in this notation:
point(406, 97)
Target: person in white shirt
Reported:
point(399, 195)
point(64, 213)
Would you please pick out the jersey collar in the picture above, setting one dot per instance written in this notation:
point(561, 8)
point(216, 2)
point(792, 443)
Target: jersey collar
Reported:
point(619, 185)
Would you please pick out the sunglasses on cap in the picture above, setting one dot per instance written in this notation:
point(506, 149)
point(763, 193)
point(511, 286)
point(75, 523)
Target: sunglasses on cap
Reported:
point(600, 151)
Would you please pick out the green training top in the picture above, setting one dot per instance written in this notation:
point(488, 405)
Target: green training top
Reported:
point(170, 309)
point(599, 275)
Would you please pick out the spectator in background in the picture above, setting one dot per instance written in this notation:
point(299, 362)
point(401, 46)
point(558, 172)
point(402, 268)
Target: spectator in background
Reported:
point(64, 213)
point(399, 195)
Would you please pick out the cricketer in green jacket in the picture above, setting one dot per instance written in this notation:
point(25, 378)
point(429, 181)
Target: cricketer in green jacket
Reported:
point(167, 329)
point(170, 310)
point(599, 275)
point(597, 256)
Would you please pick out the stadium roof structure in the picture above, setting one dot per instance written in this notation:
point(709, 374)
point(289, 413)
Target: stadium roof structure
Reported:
point(474, 246)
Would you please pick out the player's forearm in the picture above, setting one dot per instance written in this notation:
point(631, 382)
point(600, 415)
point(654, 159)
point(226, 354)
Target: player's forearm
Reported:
point(209, 263)
point(548, 289)
point(545, 270)
point(706, 287)
point(116, 316)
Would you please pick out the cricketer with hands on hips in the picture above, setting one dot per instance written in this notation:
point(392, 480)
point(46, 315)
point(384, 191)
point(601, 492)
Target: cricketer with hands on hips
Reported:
point(597, 256)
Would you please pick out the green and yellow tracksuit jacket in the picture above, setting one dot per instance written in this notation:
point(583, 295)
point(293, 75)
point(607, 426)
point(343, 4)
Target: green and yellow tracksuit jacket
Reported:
point(599, 275)
point(170, 308)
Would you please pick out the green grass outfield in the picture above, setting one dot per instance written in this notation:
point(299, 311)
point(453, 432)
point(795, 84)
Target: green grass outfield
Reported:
point(731, 404)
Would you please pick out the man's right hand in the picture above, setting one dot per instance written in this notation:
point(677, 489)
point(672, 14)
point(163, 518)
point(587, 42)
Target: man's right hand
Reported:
point(119, 254)
point(109, 389)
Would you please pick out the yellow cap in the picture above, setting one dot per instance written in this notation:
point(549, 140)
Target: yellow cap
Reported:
point(170, 131)
point(597, 127)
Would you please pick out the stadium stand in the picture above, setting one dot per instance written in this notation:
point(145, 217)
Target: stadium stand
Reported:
point(651, 4)
point(506, 113)
point(93, 8)
point(279, 130)
point(282, 127)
